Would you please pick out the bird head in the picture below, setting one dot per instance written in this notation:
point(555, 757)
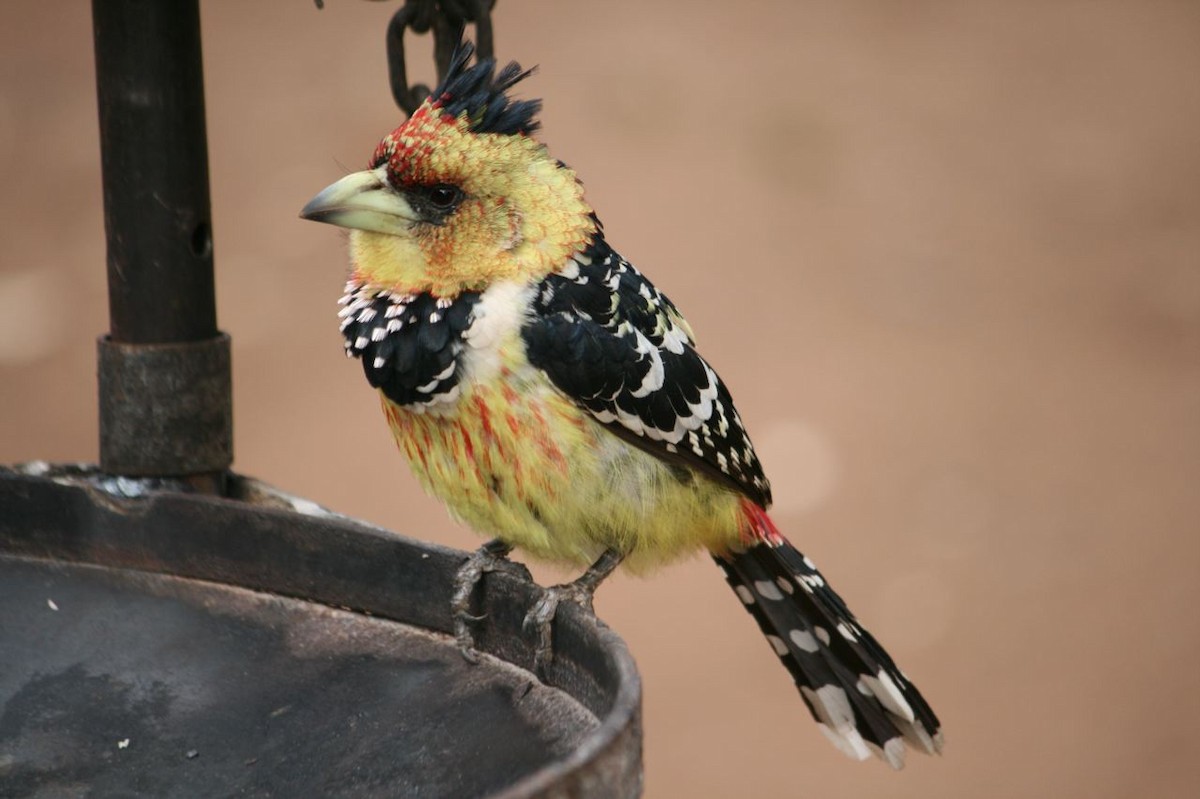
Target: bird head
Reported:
point(461, 195)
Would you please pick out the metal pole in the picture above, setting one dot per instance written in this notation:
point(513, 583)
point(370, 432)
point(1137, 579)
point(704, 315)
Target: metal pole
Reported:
point(165, 402)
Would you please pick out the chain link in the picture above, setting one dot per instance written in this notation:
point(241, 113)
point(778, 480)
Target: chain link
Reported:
point(448, 20)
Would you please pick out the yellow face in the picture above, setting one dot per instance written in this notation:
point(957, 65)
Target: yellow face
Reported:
point(445, 209)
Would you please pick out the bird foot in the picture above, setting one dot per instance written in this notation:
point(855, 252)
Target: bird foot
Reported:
point(540, 617)
point(492, 556)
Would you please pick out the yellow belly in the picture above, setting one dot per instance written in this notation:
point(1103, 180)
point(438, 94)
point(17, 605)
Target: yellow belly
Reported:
point(517, 460)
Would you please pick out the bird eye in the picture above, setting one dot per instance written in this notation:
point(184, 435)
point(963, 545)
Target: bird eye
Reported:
point(444, 197)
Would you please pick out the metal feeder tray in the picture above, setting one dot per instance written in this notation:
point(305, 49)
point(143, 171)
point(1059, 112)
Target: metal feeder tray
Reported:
point(159, 643)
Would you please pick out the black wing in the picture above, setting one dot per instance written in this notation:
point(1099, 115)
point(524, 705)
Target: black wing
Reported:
point(616, 345)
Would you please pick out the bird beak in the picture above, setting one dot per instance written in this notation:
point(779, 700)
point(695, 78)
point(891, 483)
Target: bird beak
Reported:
point(362, 201)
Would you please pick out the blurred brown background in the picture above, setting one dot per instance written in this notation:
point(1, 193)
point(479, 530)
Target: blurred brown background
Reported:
point(946, 254)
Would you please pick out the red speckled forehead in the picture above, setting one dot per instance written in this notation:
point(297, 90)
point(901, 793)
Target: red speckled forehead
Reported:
point(425, 149)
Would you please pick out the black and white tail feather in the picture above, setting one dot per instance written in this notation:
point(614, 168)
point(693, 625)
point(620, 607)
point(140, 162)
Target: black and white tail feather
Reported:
point(860, 699)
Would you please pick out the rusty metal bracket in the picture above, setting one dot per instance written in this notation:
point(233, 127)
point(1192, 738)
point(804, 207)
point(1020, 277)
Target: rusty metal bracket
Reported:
point(165, 409)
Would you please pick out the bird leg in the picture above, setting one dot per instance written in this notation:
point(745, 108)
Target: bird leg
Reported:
point(492, 556)
point(541, 615)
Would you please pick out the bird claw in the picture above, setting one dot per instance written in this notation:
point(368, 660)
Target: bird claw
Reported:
point(463, 637)
point(492, 556)
point(540, 619)
point(541, 614)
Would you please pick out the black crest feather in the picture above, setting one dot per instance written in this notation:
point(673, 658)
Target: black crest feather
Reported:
point(481, 93)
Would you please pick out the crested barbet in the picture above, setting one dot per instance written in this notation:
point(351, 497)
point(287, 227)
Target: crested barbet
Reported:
point(551, 396)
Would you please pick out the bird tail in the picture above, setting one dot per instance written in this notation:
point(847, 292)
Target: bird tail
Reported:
point(862, 702)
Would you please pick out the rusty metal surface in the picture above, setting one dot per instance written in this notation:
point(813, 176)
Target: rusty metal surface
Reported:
point(196, 667)
point(165, 409)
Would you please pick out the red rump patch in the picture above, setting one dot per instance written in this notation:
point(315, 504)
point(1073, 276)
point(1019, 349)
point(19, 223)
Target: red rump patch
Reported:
point(759, 527)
